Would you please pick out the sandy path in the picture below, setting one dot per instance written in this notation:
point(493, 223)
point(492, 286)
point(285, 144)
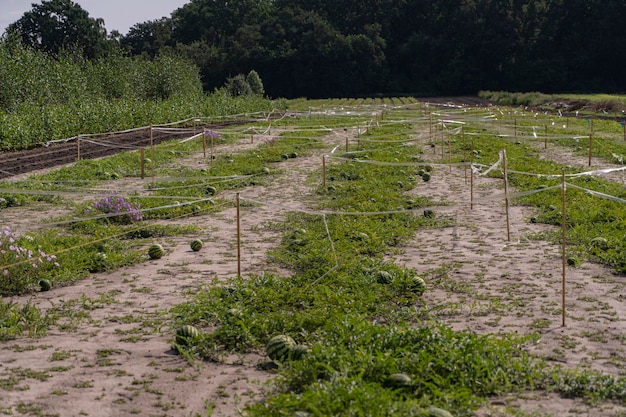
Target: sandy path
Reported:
point(114, 358)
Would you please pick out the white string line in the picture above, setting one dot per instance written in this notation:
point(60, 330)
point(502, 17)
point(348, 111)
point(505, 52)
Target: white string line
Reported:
point(105, 215)
point(107, 144)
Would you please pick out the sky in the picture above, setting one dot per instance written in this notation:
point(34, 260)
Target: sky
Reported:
point(118, 15)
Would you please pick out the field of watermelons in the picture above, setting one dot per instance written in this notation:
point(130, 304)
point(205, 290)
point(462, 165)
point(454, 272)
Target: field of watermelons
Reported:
point(354, 257)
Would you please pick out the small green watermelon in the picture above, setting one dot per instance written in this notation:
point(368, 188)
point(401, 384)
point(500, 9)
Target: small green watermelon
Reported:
point(156, 251)
point(196, 245)
point(45, 285)
point(384, 277)
point(398, 381)
point(279, 347)
point(438, 412)
point(418, 284)
point(183, 334)
point(299, 351)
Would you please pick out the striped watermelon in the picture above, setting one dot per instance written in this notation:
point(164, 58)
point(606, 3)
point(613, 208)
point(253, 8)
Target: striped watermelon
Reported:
point(384, 277)
point(196, 245)
point(279, 347)
point(156, 251)
point(438, 412)
point(418, 284)
point(600, 243)
point(210, 190)
point(45, 285)
point(299, 351)
point(183, 334)
point(398, 381)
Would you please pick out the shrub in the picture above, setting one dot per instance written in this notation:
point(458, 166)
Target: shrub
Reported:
point(21, 264)
point(121, 211)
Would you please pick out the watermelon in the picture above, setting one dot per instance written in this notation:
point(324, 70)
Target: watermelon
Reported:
point(100, 257)
point(299, 351)
point(156, 251)
point(210, 190)
point(45, 285)
point(384, 277)
point(426, 176)
point(196, 245)
point(418, 284)
point(279, 347)
point(265, 170)
point(183, 334)
point(234, 312)
point(600, 243)
point(293, 155)
point(572, 261)
point(397, 381)
point(429, 214)
point(437, 412)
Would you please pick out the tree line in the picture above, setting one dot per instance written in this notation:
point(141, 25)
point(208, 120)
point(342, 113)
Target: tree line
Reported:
point(322, 48)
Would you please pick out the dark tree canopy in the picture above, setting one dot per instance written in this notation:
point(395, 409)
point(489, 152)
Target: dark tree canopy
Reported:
point(55, 25)
point(324, 48)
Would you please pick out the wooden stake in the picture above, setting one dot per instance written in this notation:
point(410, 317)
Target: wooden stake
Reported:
point(324, 171)
point(590, 139)
point(464, 154)
point(430, 127)
point(472, 177)
point(212, 142)
point(515, 128)
point(78, 147)
point(563, 260)
point(590, 147)
point(142, 162)
point(506, 196)
point(442, 142)
point(545, 137)
point(238, 236)
point(346, 144)
point(203, 145)
point(449, 152)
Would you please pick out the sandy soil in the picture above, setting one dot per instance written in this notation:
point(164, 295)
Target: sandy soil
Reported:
point(111, 354)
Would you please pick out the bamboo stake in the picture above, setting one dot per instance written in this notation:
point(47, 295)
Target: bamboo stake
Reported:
point(238, 236)
point(506, 196)
point(590, 139)
point(590, 147)
point(430, 127)
point(449, 152)
point(212, 143)
point(464, 154)
point(472, 177)
point(442, 142)
point(142, 162)
point(563, 260)
point(203, 145)
point(324, 171)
